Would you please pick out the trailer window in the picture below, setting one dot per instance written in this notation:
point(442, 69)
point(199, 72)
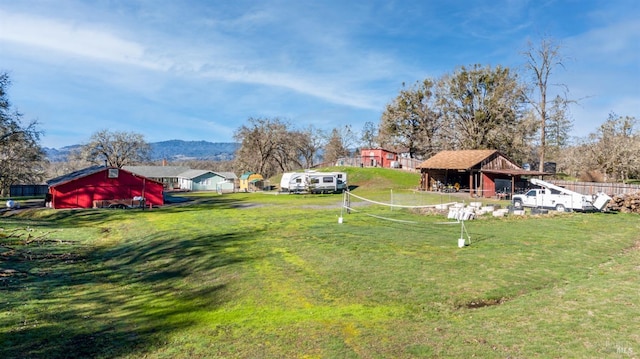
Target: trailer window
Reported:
point(315, 180)
point(327, 179)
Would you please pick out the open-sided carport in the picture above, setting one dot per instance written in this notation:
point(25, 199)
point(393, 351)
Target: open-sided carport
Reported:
point(483, 173)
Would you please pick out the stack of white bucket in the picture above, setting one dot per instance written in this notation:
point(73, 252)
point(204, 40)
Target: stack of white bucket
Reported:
point(460, 212)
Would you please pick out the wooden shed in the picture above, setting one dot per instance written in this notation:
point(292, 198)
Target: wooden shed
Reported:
point(251, 181)
point(81, 188)
point(483, 173)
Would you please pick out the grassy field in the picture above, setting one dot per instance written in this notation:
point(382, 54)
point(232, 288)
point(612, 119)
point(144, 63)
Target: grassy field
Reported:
point(259, 275)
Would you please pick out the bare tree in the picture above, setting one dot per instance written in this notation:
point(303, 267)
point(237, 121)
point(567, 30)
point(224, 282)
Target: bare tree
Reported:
point(369, 135)
point(542, 60)
point(614, 148)
point(310, 142)
point(287, 154)
point(22, 159)
point(269, 146)
point(571, 160)
point(117, 148)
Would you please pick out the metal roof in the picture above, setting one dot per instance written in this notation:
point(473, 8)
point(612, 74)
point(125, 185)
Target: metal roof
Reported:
point(227, 175)
point(191, 174)
point(157, 171)
point(175, 171)
point(75, 175)
point(87, 172)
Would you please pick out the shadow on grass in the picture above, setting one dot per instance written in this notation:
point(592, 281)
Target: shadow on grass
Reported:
point(61, 217)
point(92, 217)
point(118, 301)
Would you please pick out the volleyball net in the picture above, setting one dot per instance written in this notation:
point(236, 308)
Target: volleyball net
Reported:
point(409, 209)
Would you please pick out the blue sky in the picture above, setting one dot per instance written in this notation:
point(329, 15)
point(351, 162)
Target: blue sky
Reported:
point(197, 70)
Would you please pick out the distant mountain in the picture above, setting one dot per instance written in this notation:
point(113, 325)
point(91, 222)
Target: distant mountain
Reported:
point(172, 150)
point(59, 154)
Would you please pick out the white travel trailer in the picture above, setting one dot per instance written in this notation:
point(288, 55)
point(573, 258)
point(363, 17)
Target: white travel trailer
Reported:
point(294, 182)
point(327, 182)
point(313, 182)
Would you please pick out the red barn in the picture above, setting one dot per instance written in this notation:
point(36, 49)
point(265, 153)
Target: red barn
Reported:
point(378, 157)
point(81, 188)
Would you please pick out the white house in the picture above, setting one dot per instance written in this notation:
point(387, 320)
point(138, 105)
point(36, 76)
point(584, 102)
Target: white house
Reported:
point(205, 180)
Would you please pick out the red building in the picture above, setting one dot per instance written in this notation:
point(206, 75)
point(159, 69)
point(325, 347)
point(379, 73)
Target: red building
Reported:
point(81, 188)
point(378, 157)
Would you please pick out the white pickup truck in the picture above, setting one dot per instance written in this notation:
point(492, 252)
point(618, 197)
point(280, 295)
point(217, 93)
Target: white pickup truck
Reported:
point(550, 196)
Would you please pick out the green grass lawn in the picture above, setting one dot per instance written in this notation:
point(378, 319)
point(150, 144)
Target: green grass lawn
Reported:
point(259, 275)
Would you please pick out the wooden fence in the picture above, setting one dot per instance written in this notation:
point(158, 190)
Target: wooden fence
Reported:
point(594, 187)
point(28, 190)
point(407, 164)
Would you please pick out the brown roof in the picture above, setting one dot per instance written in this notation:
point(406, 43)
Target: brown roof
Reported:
point(456, 160)
point(517, 172)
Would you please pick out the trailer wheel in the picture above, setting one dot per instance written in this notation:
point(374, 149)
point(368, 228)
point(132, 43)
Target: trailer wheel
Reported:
point(560, 208)
point(517, 204)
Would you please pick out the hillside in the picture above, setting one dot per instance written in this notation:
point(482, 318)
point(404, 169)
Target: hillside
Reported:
point(172, 150)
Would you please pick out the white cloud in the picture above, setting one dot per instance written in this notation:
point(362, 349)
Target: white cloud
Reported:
point(73, 39)
point(618, 43)
point(221, 61)
point(302, 83)
point(199, 65)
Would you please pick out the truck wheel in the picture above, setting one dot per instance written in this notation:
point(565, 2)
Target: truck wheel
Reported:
point(517, 204)
point(560, 208)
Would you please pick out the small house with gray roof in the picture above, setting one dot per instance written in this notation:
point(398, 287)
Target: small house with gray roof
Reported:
point(186, 179)
point(205, 180)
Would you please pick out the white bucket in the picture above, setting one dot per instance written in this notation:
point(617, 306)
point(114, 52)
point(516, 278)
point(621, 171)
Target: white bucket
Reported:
point(340, 220)
point(461, 242)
